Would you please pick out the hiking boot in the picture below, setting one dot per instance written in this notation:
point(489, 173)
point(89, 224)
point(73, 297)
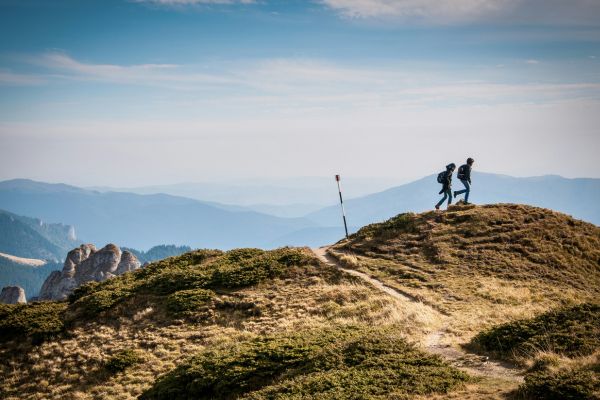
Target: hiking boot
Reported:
point(437, 207)
point(455, 193)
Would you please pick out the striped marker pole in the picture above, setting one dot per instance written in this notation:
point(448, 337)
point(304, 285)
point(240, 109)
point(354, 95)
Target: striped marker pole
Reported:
point(337, 179)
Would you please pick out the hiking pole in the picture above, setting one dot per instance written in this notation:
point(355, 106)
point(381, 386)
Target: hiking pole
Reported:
point(337, 179)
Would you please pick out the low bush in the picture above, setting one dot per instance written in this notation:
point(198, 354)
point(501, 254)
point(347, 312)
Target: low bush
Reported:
point(185, 301)
point(571, 331)
point(341, 363)
point(122, 360)
point(401, 223)
point(37, 321)
point(571, 384)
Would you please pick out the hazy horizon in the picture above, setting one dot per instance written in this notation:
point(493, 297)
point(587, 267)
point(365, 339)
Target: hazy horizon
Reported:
point(273, 180)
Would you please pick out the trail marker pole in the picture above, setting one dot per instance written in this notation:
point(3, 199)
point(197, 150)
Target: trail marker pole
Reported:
point(337, 179)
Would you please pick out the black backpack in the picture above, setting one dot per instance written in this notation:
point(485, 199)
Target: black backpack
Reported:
point(462, 171)
point(442, 177)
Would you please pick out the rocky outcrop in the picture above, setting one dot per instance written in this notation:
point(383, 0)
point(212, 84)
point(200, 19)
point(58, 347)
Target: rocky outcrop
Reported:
point(85, 264)
point(13, 295)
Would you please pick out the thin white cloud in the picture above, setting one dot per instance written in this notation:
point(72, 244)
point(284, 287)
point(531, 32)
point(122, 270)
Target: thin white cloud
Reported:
point(585, 12)
point(166, 75)
point(435, 10)
point(287, 85)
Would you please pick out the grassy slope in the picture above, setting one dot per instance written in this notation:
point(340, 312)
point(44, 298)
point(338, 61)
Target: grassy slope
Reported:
point(240, 311)
point(336, 363)
point(114, 339)
point(572, 331)
point(560, 348)
point(527, 279)
point(482, 265)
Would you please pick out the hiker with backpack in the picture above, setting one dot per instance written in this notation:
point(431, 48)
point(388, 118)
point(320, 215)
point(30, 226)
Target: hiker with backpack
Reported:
point(445, 178)
point(464, 174)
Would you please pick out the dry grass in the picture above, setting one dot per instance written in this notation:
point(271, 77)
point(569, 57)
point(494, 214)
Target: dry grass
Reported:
point(482, 265)
point(73, 367)
point(472, 267)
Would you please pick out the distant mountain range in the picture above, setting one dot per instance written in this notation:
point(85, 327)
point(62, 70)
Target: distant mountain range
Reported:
point(31, 249)
point(33, 238)
point(142, 221)
point(283, 197)
point(577, 197)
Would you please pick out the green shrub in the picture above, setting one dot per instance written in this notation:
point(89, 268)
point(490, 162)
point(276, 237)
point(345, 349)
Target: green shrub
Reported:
point(401, 223)
point(83, 290)
point(185, 301)
point(196, 257)
point(101, 300)
point(38, 321)
point(349, 362)
point(122, 360)
point(568, 331)
point(574, 384)
point(175, 279)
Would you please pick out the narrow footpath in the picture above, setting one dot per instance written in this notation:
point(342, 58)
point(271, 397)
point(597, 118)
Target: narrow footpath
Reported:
point(471, 363)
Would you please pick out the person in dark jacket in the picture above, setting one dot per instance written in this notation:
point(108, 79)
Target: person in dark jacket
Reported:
point(446, 185)
point(464, 174)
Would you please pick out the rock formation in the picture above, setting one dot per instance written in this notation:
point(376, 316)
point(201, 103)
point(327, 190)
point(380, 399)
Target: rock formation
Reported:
point(13, 295)
point(85, 264)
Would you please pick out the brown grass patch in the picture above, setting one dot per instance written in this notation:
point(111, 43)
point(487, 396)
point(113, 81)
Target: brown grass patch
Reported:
point(482, 265)
point(73, 367)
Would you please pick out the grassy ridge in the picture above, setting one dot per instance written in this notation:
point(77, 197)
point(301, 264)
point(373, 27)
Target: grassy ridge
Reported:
point(151, 329)
point(180, 285)
point(488, 265)
point(335, 363)
point(199, 270)
point(485, 265)
point(506, 240)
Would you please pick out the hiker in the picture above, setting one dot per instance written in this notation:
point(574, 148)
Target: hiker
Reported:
point(445, 178)
point(464, 174)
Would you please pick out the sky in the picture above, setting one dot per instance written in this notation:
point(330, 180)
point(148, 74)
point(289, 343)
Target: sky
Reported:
point(145, 92)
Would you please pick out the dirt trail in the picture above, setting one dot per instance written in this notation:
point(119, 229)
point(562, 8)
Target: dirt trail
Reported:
point(434, 342)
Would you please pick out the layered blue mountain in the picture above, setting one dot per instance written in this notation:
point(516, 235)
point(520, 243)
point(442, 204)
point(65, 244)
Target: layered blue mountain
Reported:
point(578, 197)
point(142, 221)
point(33, 238)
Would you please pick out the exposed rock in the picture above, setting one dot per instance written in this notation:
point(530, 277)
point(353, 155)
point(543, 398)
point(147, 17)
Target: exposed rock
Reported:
point(13, 295)
point(85, 264)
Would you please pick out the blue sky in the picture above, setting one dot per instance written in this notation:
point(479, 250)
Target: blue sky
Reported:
point(144, 92)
